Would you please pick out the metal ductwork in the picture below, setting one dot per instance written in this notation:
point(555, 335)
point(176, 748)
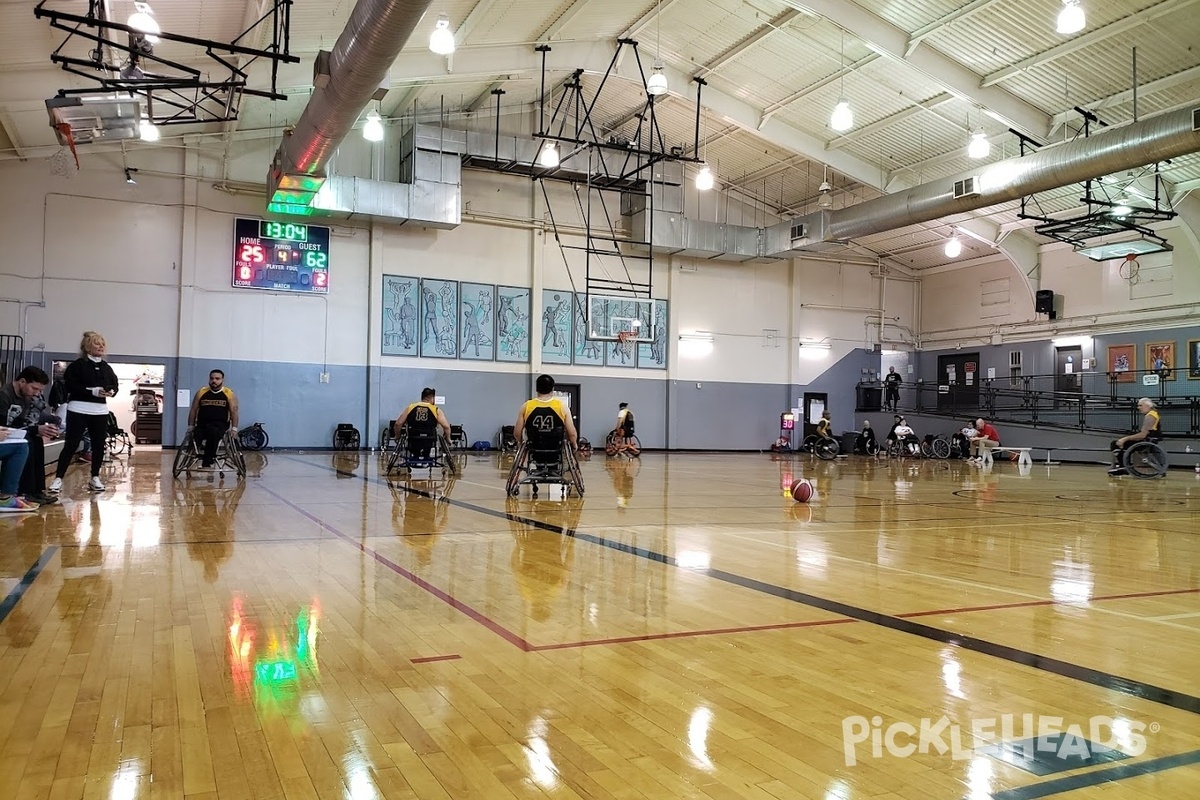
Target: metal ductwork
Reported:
point(358, 63)
point(1108, 151)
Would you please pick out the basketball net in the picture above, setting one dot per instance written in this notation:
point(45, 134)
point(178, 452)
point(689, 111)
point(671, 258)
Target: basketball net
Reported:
point(1130, 268)
point(60, 163)
point(626, 339)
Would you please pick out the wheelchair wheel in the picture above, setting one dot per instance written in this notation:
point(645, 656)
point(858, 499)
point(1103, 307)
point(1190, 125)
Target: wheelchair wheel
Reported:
point(183, 455)
point(940, 448)
point(872, 447)
point(895, 449)
point(826, 448)
point(117, 444)
point(253, 438)
point(1146, 460)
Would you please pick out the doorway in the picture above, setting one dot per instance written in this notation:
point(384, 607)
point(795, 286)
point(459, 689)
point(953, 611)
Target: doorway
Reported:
point(814, 406)
point(1068, 380)
point(571, 395)
point(958, 381)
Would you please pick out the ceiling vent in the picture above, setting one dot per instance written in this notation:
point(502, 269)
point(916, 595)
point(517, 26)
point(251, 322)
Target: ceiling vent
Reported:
point(1196, 119)
point(798, 231)
point(967, 187)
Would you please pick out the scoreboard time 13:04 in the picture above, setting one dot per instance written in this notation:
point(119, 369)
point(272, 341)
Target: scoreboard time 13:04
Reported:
point(284, 256)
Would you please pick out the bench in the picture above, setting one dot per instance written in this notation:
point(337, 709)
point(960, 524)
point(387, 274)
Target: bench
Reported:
point(1023, 457)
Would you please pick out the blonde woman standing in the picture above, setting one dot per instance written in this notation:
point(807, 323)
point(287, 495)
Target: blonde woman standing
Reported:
point(90, 381)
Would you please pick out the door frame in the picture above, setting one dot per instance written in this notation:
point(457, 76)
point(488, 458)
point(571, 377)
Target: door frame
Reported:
point(809, 428)
point(574, 393)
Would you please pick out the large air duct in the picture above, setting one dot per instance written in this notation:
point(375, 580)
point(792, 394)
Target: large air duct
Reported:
point(1108, 151)
point(365, 50)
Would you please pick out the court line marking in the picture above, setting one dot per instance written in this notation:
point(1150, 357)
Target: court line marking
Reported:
point(1097, 777)
point(431, 659)
point(26, 581)
point(1094, 677)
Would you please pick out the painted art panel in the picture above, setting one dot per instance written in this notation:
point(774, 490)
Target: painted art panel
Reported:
point(653, 355)
point(512, 323)
point(477, 321)
point(621, 354)
point(555, 315)
point(585, 351)
point(439, 318)
point(400, 315)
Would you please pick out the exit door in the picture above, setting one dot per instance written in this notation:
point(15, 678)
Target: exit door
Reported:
point(958, 381)
point(1067, 379)
point(814, 406)
point(570, 394)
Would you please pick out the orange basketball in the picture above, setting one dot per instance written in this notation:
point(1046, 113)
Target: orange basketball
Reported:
point(802, 491)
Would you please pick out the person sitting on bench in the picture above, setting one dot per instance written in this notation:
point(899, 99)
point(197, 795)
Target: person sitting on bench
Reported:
point(986, 438)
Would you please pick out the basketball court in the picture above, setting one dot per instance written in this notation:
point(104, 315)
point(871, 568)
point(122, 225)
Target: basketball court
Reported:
point(686, 630)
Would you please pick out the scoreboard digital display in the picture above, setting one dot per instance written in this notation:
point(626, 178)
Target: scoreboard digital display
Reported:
point(284, 256)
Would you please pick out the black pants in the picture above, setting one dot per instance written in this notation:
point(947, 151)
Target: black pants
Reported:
point(33, 477)
point(209, 435)
point(893, 398)
point(96, 426)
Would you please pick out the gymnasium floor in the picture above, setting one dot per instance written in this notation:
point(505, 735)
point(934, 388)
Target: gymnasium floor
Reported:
point(684, 631)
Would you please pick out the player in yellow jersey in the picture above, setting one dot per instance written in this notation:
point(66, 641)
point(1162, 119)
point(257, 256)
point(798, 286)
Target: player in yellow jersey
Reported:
point(544, 415)
point(423, 419)
point(214, 411)
point(1151, 431)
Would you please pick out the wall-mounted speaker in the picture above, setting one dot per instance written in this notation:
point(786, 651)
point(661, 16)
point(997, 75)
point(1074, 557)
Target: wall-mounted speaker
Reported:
point(1043, 301)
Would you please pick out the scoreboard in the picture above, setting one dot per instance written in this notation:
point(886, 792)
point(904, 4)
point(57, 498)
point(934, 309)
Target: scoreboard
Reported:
point(283, 256)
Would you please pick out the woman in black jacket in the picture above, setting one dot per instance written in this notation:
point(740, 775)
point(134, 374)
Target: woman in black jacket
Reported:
point(90, 381)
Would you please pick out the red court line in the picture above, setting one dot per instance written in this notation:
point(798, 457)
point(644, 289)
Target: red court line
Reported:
point(446, 598)
point(683, 634)
point(429, 659)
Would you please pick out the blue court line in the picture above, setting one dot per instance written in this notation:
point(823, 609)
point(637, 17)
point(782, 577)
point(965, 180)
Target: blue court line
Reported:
point(31, 574)
point(1097, 777)
point(1098, 678)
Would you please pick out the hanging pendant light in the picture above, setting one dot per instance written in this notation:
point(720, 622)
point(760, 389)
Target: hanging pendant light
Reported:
point(142, 20)
point(441, 41)
point(704, 179)
point(1071, 19)
point(373, 130)
point(842, 118)
point(148, 130)
point(656, 84)
point(979, 146)
point(953, 247)
point(548, 155)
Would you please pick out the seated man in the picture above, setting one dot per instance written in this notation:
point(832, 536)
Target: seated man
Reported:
point(1151, 431)
point(214, 411)
point(624, 431)
point(962, 440)
point(986, 438)
point(907, 437)
point(825, 425)
point(891, 437)
point(422, 420)
point(20, 407)
point(865, 442)
point(545, 419)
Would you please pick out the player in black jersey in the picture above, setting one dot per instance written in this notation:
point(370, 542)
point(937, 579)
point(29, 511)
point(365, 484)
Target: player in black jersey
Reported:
point(422, 420)
point(214, 411)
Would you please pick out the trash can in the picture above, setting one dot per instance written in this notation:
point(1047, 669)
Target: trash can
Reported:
point(846, 444)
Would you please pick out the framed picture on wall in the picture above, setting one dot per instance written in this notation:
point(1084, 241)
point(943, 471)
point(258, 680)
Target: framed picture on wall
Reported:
point(438, 313)
point(585, 351)
point(477, 321)
point(555, 315)
point(1160, 359)
point(653, 355)
point(512, 323)
point(1122, 361)
point(399, 315)
point(1193, 359)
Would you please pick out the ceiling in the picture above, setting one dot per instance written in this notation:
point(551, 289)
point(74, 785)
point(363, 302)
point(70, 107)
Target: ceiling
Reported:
point(920, 75)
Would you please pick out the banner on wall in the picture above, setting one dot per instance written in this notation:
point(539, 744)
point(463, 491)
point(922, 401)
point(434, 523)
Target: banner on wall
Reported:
point(399, 315)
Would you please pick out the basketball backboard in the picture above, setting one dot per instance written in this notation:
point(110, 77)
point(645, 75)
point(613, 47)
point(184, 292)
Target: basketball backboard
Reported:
point(608, 317)
point(91, 118)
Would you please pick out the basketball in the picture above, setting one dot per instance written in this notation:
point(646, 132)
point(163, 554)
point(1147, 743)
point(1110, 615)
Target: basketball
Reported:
point(802, 491)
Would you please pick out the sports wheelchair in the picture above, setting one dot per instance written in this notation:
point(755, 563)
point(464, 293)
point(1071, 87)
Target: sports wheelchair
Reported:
point(458, 437)
point(629, 445)
point(229, 456)
point(551, 460)
point(118, 442)
point(412, 451)
point(1145, 459)
point(823, 447)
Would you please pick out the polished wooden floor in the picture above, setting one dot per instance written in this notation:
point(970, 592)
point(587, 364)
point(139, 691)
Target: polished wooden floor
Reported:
point(686, 630)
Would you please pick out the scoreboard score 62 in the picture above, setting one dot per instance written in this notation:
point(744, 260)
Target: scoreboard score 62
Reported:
point(285, 256)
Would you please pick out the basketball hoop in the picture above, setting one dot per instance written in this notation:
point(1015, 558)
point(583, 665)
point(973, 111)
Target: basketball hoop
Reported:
point(60, 164)
point(1130, 268)
point(626, 338)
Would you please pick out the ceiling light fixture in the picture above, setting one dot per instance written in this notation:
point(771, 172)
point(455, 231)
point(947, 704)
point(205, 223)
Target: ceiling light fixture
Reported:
point(148, 130)
point(656, 84)
point(142, 20)
point(953, 247)
point(842, 118)
point(548, 155)
point(704, 178)
point(373, 130)
point(979, 146)
point(1122, 209)
point(1071, 19)
point(441, 41)
point(825, 191)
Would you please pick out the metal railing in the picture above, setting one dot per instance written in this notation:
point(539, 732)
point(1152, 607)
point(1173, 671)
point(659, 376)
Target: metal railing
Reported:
point(1095, 401)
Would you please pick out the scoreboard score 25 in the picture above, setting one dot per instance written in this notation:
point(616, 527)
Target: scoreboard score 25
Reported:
point(285, 256)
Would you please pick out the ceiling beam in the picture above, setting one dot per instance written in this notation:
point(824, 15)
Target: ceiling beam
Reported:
point(1161, 85)
point(6, 126)
point(755, 38)
point(644, 22)
point(847, 69)
point(594, 57)
point(473, 18)
point(1087, 40)
point(484, 97)
point(565, 19)
point(892, 41)
point(888, 122)
point(921, 34)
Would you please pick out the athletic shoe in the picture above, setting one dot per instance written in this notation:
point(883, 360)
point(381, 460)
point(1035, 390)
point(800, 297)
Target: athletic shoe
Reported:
point(55, 486)
point(15, 505)
point(96, 485)
point(42, 499)
point(1118, 471)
